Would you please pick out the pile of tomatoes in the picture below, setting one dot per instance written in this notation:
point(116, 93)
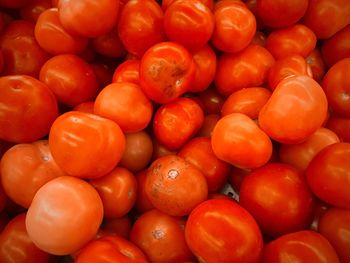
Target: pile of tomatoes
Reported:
point(123, 124)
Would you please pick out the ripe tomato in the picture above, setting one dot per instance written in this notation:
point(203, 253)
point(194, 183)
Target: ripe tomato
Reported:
point(71, 79)
point(340, 125)
point(333, 225)
point(328, 183)
point(140, 26)
point(231, 141)
point(13, 3)
point(167, 3)
point(219, 230)
point(161, 237)
point(273, 188)
point(295, 110)
point(117, 190)
point(317, 65)
point(117, 226)
point(160, 150)
point(86, 145)
point(32, 10)
point(88, 18)
point(87, 107)
point(28, 105)
point(303, 246)
point(244, 69)
point(143, 203)
point(128, 71)
point(211, 100)
point(65, 214)
point(174, 186)
point(336, 85)
point(167, 70)
point(208, 125)
point(126, 104)
point(176, 122)
point(53, 37)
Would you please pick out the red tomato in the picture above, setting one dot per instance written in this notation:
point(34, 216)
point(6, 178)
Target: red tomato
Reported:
point(160, 150)
point(141, 26)
point(167, 3)
point(331, 184)
point(117, 226)
point(128, 71)
point(176, 122)
point(103, 72)
point(316, 64)
point(273, 188)
point(231, 141)
point(126, 104)
point(67, 204)
point(87, 107)
point(302, 247)
point(244, 69)
point(295, 110)
point(13, 3)
point(143, 203)
point(333, 225)
point(22, 54)
point(88, 18)
point(167, 70)
point(327, 17)
point(237, 176)
point(28, 105)
point(161, 237)
point(222, 231)
point(211, 100)
point(16, 245)
point(208, 125)
point(111, 249)
point(174, 186)
point(52, 36)
point(86, 145)
point(32, 10)
point(198, 152)
point(340, 125)
point(336, 85)
point(300, 155)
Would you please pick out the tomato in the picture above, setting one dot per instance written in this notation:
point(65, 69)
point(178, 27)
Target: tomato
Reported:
point(237, 176)
point(117, 190)
point(222, 231)
point(189, 23)
point(302, 246)
point(117, 226)
point(103, 72)
point(233, 21)
point(161, 237)
point(316, 64)
point(88, 18)
point(22, 54)
point(244, 69)
point(143, 203)
point(160, 150)
point(328, 183)
point(141, 26)
point(53, 37)
point(32, 10)
point(86, 145)
point(300, 155)
point(167, 70)
point(273, 188)
point(211, 100)
point(208, 125)
point(167, 3)
point(111, 249)
point(336, 85)
point(13, 3)
point(281, 13)
point(231, 141)
point(128, 71)
point(175, 186)
point(333, 224)
point(115, 102)
point(340, 125)
point(248, 101)
point(65, 214)
point(176, 122)
point(138, 151)
point(16, 245)
point(295, 110)
point(28, 105)
point(87, 107)
point(327, 17)
point(294, 40)
point(198, 152)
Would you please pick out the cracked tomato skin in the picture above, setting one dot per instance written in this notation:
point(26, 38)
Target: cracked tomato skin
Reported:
point(167, 70)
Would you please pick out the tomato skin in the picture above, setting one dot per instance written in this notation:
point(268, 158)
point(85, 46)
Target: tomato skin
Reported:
point(295, 110)
point(332, 224)
point(174, 186)
point(231, 141)
point(302, 246)
point(273, 188)
point(143, 203)
point(210, 242)
point(161, 237)
point(13, 3)
point(329, 184)
point(23, 94)
point(167, 70)
point(109, 44)
point(87, 107)
point(32, 10)
point(336, 85)
point(244, 69)
point(211, 100)
point(88, 18)
point(167, 3)
point(67, 204)
point(128, 71)
point(340, 125)
point(138, 35)
point(117, 226)
point(317, 65)
point(95, 144)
